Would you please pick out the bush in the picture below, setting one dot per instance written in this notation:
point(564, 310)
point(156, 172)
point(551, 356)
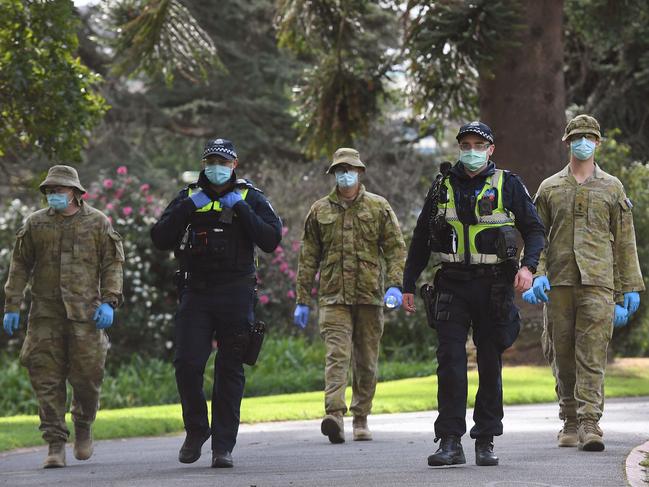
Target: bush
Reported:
point(151, 381)
point(632, 340)
point(144, 325)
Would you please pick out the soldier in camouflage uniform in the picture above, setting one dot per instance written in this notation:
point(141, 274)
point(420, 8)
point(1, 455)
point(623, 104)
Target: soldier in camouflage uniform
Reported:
point(72, 260)
point(353, 238)
point(592, 263)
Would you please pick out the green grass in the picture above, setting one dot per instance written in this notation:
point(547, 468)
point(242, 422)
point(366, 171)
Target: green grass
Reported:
point(522, 385)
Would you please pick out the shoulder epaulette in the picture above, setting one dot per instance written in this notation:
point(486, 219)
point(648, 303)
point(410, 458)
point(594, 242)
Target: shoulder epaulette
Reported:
point(248, 184)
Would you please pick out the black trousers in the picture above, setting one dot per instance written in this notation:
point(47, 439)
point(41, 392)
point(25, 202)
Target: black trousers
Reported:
point(485, 303)
point(224, 313)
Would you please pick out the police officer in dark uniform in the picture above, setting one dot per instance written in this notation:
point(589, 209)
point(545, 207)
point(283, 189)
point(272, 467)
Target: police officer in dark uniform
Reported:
point(468, 221)
point(213, 226)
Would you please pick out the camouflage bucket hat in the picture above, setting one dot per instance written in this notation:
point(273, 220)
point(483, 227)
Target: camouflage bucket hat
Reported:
point(345, 155)
point(582, 124)
point(62, 176)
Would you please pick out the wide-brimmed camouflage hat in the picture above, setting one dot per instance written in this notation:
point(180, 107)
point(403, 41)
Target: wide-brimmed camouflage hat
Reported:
point(582, 124)
point(61, 175)
point(346, 155)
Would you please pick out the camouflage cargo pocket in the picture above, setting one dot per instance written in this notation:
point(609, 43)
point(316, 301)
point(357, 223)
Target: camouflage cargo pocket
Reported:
point(369, 272)
point(26, 351)
point(327, 226)
point(119, 247)
point(368, 226)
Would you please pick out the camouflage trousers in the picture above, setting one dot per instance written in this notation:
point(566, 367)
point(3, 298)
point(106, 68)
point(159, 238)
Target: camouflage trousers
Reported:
point(578, 325)
point(57, 350)
point(351, 333)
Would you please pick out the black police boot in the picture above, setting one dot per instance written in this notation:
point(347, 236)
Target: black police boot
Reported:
point(221, 459)
point(484, 452)
point(450, 452)
point(191, 449)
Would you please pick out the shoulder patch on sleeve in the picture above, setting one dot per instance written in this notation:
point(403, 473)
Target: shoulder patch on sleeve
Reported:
point(626, 204)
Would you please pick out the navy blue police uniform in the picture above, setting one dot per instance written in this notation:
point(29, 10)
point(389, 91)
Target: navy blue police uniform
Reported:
point(217, 292)
point(474, 286)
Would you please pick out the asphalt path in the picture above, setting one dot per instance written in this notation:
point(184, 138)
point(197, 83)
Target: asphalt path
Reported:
point(296, 454)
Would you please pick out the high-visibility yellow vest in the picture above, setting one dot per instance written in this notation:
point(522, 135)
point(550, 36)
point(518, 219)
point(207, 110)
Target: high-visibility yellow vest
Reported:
point(465, 234)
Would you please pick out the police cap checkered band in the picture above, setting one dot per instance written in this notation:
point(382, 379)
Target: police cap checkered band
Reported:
point(220, 147)
point(478, 128)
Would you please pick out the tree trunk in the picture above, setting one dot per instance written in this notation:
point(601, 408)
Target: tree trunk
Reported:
point(524, 104)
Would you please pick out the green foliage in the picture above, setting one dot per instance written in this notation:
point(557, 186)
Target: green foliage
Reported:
point(607, 65)
point(340, 95)
point(48, 99)
point(286, 365)
point(449, 45)
point(522, 385)
point(144, 324)
point(153, 125)
point(616, 158)
point(160, 37)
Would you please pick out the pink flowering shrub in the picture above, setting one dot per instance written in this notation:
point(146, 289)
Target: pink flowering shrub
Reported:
point(145, 322)
point(276, 276)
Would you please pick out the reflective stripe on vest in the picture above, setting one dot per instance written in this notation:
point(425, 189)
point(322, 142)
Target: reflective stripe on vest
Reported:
point(500, 217)
point(215, 205)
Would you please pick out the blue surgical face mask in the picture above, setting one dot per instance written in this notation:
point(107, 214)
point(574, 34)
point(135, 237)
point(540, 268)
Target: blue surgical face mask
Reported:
point(346, 179)
point(473, 160)
point(582, 148)
point(218, 174)
point(58, 201)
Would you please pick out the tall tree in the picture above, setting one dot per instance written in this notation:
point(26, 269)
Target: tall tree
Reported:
point(607, 66)
point(48, 100)
point(347, 44)
point(246, 97)
point(503, 56)
point(523, 97)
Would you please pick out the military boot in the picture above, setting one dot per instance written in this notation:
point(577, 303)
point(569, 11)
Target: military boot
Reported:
point(83, 447)
point(450, 452)
point(361, 431)
point(484, 452)
point(590, 435)
point(333, 426)
point(567, 436)
point(55, 455)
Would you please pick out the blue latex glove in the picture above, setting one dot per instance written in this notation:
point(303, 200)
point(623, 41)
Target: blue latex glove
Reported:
point(393, 291)
point(621, 316)
point(530, 297)
point(11, 322)
point(631, 302)
point(541, 284)
point(104, 316)
point(301, 315)
point(230, 199)
point(200, 199)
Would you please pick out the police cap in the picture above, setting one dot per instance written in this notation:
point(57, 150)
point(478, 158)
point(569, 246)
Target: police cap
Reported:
point(478, 128)
point(220, 147)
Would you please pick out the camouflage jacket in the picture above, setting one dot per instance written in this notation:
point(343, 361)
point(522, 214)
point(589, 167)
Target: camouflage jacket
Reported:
point(590, 235)
point(74, 262)
point(356, 249)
